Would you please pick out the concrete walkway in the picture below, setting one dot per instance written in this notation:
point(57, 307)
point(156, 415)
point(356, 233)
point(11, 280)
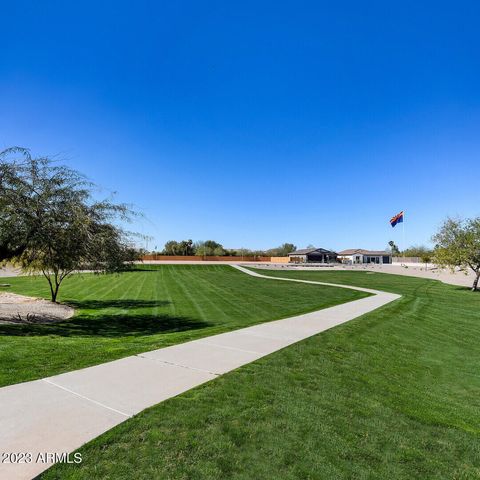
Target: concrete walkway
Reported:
point(59, 414)
point(464, 279)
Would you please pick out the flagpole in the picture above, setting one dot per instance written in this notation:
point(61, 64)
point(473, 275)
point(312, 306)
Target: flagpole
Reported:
point(403, 235)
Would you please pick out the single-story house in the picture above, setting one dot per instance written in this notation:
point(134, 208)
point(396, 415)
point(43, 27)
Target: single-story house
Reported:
point(313, 255)
point(358, 255)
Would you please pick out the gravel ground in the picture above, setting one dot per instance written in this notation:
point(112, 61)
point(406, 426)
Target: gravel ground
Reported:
point(9, 271)
point(419, 270)
point(20, 309)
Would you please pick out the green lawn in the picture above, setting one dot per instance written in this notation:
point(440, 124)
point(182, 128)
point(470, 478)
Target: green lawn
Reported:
point(394, 394)
point(132, 312)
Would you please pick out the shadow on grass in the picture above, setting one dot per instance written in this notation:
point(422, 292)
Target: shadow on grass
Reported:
point(146, 268)
point(463, 288)
point(110, 324)
point(115, 303)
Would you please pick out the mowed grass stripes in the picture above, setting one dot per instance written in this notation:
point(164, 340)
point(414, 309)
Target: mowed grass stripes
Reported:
point(394, 394)
point(152, 307)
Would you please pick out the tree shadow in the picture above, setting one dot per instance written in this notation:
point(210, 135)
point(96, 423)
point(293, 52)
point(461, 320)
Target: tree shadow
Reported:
point(146, 268)
point(115, 303)
point(110, 324)
point(463, 288)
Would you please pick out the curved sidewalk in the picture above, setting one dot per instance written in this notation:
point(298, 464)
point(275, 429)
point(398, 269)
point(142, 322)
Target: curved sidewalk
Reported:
point(60, 413)
point(312, 282)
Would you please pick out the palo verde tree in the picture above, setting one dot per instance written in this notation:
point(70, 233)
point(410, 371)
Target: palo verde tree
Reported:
point(281, 251)
point(458, 245)
point(184, 248)
point(171, 248)
point(50, 224)
point(209, 248)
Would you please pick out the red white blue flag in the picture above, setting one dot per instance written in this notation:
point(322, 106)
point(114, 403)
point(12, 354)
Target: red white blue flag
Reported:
point(398, 218)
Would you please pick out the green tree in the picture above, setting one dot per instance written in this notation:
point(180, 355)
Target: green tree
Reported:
point(244, 252)
point(219, 251)
point(50, 224)
point(186, 247)
point(15, 229)
point(209, 248)
point(416, 251)
point(458, 245)
point(426, 258)
point(281, 251)
point(285, 249)
point(171, 248)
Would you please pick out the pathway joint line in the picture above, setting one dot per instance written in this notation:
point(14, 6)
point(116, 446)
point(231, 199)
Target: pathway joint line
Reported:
point(157, 360)
point(169, 382)
point(88, 399)
point(230, 348)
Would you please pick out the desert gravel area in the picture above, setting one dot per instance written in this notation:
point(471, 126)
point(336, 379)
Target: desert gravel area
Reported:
point(464, 279)
point(9, 272)
point(412, 270)
point(21, 309)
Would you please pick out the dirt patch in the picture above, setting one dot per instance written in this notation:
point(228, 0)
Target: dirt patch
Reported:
point(26, 310)
point(9, 271)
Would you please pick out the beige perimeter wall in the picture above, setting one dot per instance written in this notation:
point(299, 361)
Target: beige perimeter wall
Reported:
point(213, 259)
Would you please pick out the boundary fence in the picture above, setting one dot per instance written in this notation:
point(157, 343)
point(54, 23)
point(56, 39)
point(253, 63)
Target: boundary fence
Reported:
point(406, 260)
point(209, 258)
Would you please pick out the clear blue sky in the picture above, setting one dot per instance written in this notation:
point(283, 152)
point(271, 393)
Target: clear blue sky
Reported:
point(255, 123)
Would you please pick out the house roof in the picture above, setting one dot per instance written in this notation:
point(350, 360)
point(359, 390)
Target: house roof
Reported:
point(361, 251)
point(303, 251)
point(306, 251)
point(351, 251)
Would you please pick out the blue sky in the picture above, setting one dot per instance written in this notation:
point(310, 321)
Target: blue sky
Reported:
point(255, 123)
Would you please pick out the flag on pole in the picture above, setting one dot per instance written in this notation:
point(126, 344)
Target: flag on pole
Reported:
point(398, 218)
